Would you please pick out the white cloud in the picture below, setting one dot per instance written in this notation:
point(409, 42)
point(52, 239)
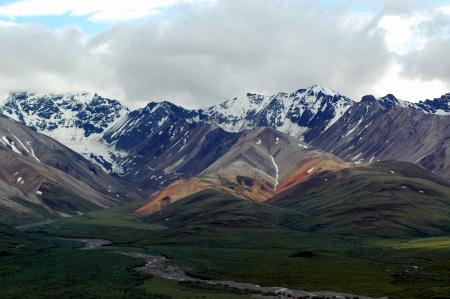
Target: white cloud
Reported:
point(400, 32)
point(97, 10)
point(408, 89)
point(4, 23)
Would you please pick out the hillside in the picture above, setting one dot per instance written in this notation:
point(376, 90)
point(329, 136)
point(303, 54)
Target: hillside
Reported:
point(369, 131)
point(260, 164)
point(383, 198)
point(42, 179)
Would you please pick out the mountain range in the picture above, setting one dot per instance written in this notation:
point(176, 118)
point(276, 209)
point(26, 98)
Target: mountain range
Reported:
point(253, 146)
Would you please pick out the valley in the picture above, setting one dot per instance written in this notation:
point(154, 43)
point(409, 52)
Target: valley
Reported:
point(264, 248)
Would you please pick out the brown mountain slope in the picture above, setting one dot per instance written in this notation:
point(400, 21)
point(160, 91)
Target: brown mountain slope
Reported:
point(40, 178)
point(370, 132)
point(262, 163)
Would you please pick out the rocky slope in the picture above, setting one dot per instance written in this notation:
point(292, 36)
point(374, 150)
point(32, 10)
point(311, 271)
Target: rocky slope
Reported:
point(161, 146)
point(162, 142)
point(262, 163)
point(301, 113)
point(77, 120)
point(375, 130)
point(41, 178)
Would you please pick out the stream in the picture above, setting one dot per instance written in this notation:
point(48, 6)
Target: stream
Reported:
point(156, 265)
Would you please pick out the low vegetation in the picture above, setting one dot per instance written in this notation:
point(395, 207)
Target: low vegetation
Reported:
point(296, 244)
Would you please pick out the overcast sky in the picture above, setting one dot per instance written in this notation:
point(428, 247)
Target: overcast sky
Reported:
point(197, 53)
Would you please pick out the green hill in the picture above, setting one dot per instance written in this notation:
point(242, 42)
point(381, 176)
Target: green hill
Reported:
point(384, 199)
point(218, 208)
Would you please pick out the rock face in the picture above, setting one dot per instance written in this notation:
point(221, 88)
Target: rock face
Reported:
point(41, 178)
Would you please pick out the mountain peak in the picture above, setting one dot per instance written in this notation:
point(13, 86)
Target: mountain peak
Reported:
point(368, 98)
point(317, 89)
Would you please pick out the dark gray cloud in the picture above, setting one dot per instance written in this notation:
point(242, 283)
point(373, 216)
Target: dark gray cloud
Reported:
point(207, 56)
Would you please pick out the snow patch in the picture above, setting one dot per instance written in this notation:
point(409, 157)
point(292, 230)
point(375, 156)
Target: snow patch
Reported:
point(276, 172)
point(356, 157)
point(39, 192)
point(301, 145)
point(310, 170)
point(11, 144)
point(420, 158)
point(258, 142)
point(162, 121)
point(354, 128)
point(29, 143)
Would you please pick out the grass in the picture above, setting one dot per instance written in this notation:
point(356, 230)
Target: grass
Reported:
point(371, 201)
point(429, 243)
point(34, 267)
point(62, 200)
point(223, 237)
point(116, 223)
point(31, 212)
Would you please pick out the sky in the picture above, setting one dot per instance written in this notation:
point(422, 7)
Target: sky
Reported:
point(197, 53)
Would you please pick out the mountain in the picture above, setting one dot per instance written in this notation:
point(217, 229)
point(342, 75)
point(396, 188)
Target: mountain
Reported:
point(376, 130)
point(381, 199)
point(439, 106)
point(42, 179)
point(262, 163)
point(161, 146)
point(299, 114)
point(162, 142)
point(77, 120)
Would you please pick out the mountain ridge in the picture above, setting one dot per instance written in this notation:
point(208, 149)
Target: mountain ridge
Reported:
point(108, 135)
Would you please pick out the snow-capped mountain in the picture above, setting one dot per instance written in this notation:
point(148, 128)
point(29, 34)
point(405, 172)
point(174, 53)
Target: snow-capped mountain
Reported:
point(162, 142)
point(306, 111)
point(438, 106)
point(77, 120)
point(71, 116)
